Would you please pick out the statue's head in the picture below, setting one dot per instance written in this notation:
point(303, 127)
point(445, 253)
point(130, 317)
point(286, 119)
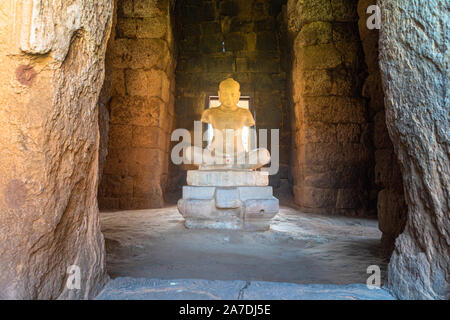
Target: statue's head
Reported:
point(229, 93)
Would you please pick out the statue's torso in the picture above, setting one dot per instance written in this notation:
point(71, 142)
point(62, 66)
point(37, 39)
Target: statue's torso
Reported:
point(228, 127)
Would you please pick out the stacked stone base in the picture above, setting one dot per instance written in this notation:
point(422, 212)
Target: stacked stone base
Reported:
point(211, 201)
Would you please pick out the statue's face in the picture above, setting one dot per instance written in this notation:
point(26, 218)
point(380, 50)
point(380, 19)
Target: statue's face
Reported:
point(229, 96)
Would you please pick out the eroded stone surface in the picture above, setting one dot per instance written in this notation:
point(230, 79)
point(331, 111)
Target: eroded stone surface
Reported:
point(414, 65)
point(49, 146)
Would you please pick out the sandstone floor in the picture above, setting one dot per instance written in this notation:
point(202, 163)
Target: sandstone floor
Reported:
point(193, 289)
point(299, 249)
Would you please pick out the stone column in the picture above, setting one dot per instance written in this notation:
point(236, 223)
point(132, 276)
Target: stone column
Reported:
point(51, 72)
point(141, 67)
point(332, 163)
point(414, 64)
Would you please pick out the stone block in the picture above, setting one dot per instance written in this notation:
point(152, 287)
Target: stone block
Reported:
point(326, 180)
point(212, 44)
point(254, 193)
point(266, 41)
point(146, 185)
point(208, 11)
point(126, 28)
point(234, 42)
point(318, 83)
point(148, 8)
point(149, 28)
point(316, 132)
point(311, 197)
point(115, 185)
point(144, 160)
point(227, 178)
point(146, 83)
point(347, 32)
point(211, 27)
point(238, 25)
point(227, 198)
point(146, 137)
point(241, 65)
point(268, 24)
point(198, 193)
point(334, 109)
point(263, 63)
point(314, 33)
point(261, 208)
point(319, 10)
point(120, 136)
point(220, 64)
point(348, 133)
point(118, 83)
point(228, 8)
point(348, 199)
point(117, 161)
point(138, 54)
point(125, 8)
point(352, 54)
point(108, 203)
point(345, 10)
point(138, 111)
point(204, 214)
point(322, 56)
point(332, 153)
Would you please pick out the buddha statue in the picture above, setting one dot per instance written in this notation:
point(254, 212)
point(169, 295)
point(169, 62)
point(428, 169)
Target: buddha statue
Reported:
point(226, 150)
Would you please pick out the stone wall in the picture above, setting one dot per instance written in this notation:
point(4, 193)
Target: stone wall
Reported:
point(391, 206)
point(333, 155)
point(414, 69)
point(51, 73)
point(141, 66)
point(232, 38)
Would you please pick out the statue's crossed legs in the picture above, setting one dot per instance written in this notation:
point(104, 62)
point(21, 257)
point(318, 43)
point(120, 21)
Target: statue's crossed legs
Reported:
point(211, 159)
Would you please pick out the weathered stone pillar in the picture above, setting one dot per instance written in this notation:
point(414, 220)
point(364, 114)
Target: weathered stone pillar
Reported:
point(51, 72)
point(414, 63)
point(141, 67)
point(332, 162)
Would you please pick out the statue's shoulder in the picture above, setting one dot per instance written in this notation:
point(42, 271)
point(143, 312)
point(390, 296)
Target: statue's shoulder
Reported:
point(206, 115)
point(249, 121)
point(245, 111)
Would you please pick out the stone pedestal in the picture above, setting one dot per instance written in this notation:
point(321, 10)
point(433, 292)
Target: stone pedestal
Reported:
point(228, 200)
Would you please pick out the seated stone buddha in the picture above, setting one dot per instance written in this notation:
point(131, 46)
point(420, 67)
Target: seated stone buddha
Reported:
point(226, 150)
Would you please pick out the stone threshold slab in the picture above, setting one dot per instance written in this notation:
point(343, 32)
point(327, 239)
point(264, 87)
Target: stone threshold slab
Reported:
point(127, 288)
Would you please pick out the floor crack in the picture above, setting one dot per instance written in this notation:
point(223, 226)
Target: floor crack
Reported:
point(241, 292)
